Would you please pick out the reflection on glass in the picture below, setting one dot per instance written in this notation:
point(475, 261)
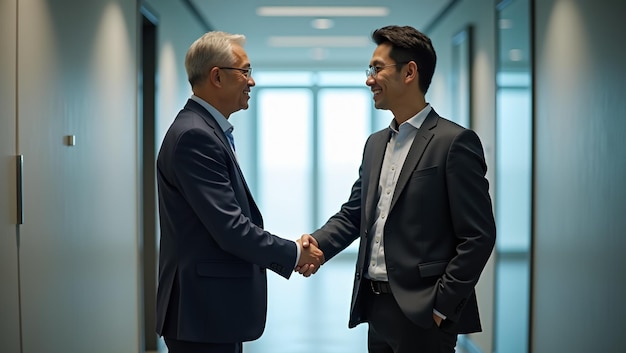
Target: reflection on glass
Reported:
point(514, 177)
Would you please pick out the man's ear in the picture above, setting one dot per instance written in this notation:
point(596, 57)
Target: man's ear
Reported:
point(412, 73)
point(215, 77)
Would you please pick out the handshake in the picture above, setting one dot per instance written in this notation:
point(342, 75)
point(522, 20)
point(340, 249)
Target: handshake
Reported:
point(311, 257)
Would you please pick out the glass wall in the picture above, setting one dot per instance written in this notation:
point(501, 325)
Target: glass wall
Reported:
point(284, 154)
point(311, 129)
point(303, 139)
point(513, 177)
point(343, 126)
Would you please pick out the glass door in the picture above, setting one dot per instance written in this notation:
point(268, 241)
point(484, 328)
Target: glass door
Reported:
point(514, 138)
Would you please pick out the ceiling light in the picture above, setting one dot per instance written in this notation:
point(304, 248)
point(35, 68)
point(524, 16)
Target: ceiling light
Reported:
point(323, 11)
point(319, 41)
point(322, 23)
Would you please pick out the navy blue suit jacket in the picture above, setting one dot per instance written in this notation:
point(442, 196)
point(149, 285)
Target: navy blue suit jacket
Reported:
point(213, 249)
point(440, 229)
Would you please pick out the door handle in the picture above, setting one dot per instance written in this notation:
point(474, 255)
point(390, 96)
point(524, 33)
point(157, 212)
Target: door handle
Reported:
point(20, 189)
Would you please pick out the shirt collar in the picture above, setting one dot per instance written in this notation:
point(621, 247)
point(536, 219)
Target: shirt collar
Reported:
point(221, 120)
point(416, 121)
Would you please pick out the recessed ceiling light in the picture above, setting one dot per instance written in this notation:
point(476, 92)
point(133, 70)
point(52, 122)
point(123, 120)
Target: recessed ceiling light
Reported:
point(323, 11)
point(319, 41)
point(322, 23)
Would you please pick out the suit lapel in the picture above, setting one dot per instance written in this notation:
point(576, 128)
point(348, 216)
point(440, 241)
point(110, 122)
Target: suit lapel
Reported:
point(210, 120)
point(422, 138)
point(374, 160)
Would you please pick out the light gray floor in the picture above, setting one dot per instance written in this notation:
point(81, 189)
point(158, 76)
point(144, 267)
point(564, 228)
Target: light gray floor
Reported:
point(311, 314)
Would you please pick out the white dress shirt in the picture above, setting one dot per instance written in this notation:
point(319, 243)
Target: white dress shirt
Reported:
point(395, 154)
point(397, 149)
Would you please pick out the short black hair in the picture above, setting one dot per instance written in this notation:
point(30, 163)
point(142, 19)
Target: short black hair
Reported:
point(409, 44)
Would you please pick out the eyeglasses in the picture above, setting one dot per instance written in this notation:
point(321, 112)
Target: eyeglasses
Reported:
point(374, 70)
point(246, 71)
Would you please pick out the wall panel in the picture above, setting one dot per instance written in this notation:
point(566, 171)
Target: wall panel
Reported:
point(9, 304)
point(578, 275)
point(79, 247)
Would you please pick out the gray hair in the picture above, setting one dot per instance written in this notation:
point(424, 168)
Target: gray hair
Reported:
point(212, 49)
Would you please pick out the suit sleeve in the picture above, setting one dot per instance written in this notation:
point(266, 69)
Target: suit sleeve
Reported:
point(472, 219)
point(206, 175)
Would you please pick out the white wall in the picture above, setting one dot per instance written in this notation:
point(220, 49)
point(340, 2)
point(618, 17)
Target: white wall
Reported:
point(177, 29)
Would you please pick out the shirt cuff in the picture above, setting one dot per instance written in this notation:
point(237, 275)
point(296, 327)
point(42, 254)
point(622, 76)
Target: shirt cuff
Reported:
point(439, 314)
point(298, 251)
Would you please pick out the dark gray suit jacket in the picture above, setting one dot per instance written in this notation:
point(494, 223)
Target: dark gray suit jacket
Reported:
point(440, 230)
point(213, 250)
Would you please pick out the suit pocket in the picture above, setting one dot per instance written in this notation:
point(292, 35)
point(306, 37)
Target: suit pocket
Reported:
point(424, 172)
point(225, 269)
point(430, 269)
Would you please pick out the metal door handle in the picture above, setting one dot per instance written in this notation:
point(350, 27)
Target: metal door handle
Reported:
point(20, 189)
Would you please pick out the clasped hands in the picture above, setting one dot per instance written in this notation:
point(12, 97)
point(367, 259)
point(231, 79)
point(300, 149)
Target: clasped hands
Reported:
point(311, 257)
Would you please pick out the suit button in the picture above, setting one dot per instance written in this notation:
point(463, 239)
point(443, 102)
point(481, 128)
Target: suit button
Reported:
point(276, 267)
